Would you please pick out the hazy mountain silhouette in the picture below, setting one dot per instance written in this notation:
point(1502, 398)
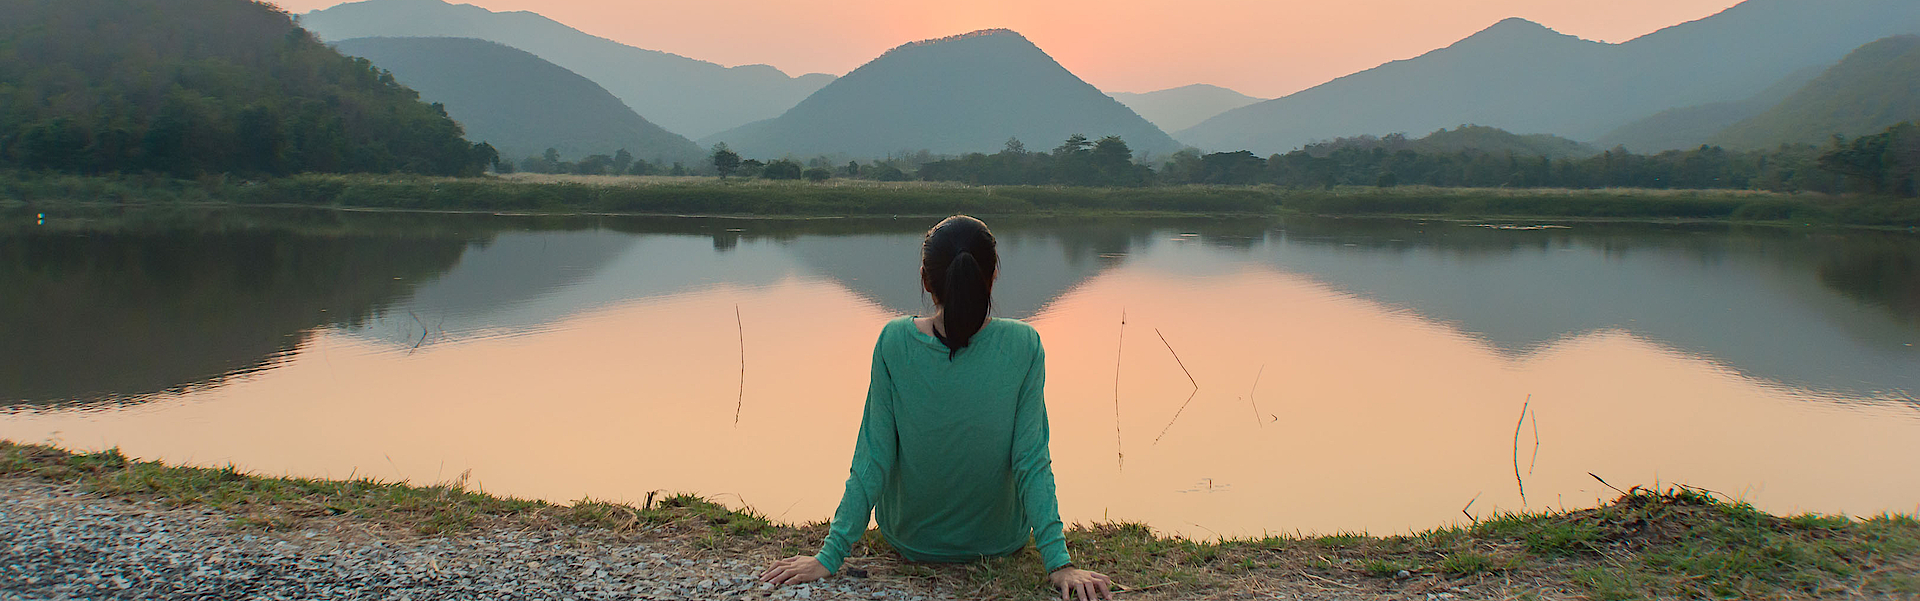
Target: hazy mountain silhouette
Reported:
point(1875, 87)
point(687, 96)
point(966, 93)
point(1183, 107)
point(1688, 128)
point(518, 102)
point(1523, 77)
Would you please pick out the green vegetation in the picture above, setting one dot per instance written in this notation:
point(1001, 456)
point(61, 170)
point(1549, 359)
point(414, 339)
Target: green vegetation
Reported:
point(1468, 157)
point(1676, 543)
point(651, 195)
point(204, 86)
point(844, 198)
point(1876, 86)
point(1456, 162)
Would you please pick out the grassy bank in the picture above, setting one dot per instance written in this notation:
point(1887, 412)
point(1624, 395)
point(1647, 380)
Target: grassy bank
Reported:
point(1675, 543)
point(708, 196)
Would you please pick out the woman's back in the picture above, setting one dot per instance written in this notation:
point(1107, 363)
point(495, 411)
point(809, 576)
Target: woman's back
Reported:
point(966, 442)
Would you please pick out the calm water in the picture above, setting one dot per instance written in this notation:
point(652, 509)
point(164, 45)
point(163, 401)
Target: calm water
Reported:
point(1352, 375)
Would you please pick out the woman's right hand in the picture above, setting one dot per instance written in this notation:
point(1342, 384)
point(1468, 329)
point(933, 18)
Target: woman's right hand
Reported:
point(1092, 586)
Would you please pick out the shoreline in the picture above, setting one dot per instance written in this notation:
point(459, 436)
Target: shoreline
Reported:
point(1676, 542)
point(626, 196)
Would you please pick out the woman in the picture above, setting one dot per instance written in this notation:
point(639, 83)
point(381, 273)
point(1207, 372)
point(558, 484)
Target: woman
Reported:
point(952, 454)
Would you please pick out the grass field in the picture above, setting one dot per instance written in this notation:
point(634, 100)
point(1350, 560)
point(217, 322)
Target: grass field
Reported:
point(658, 195)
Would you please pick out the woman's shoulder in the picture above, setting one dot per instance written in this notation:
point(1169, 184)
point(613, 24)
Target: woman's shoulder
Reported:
point(1014, 329)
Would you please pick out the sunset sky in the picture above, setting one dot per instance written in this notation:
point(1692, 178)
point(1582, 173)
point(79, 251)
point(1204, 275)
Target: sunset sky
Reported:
point(1265, 48)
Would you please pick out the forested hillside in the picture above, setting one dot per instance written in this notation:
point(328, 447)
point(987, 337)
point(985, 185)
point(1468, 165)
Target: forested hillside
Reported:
point(520, 103)
point(1687, 128)
point(188, 87)
point(1875, 87)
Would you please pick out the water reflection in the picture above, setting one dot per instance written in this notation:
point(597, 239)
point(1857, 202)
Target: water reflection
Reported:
point(99, 315)
point(1353, 374)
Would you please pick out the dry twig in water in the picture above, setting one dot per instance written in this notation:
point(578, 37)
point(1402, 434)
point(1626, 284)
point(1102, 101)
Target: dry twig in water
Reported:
point(1183, 368)
point(1517, 480)
point(740, 400)
point(1119, 452)
point(1256, 388)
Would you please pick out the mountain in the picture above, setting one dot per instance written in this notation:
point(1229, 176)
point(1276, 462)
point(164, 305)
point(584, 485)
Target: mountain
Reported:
point(189, 87)
point(1875, 87)
point(966, 93)
point(1521, 76)
point(518, 102)
point(1183, 107)
point(690, 97)
point(1690, 127)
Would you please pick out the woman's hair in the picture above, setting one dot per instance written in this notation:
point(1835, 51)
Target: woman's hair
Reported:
point(957, 263)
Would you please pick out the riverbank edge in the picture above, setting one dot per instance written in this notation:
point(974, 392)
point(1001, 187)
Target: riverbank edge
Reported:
point(708, 197)
point(1675, 542)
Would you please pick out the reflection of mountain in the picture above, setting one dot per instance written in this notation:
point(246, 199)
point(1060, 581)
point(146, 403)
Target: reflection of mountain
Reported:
point(1039, 262)
point(525, 281)
point(100, 315)
point(168, 301)
point(1762, 301)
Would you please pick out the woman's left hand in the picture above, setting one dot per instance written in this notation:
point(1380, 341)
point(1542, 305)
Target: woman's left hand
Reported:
point(795, 570)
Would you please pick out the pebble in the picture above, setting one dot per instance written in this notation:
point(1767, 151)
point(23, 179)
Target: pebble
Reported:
point(57, 543)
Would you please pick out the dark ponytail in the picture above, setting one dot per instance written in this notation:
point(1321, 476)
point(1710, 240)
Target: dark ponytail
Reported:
point(957, 261)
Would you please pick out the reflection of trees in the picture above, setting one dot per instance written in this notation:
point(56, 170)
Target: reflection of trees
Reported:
point(131, 311)
point(1882, 273)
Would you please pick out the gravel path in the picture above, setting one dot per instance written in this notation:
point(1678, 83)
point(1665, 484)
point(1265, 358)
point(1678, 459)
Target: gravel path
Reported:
point(58, 543)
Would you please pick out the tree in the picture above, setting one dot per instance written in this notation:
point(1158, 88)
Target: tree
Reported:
point(622, 160)
point(594, 165)
point(819, 174)
point(782, 169)
point(725, 160)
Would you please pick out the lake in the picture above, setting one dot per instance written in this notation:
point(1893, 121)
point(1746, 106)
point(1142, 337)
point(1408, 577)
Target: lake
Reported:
point(1206, 376)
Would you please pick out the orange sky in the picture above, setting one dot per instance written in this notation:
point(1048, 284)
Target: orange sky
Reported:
point(1264, 48)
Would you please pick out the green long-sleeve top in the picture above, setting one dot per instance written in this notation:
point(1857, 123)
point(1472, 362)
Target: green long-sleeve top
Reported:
point(952, 455)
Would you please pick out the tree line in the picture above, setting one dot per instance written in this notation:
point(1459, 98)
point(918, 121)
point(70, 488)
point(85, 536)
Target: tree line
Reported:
point(1887, 163)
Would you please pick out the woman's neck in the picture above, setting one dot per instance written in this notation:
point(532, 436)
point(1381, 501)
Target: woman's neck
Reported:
point(933, 325)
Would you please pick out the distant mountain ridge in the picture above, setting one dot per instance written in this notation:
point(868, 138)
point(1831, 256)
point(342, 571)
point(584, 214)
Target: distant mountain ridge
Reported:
point(1524, 77)
point(1174, 109)
point(518, 102)
point(687, 96)
point(1874, 88)
point(959, 94)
